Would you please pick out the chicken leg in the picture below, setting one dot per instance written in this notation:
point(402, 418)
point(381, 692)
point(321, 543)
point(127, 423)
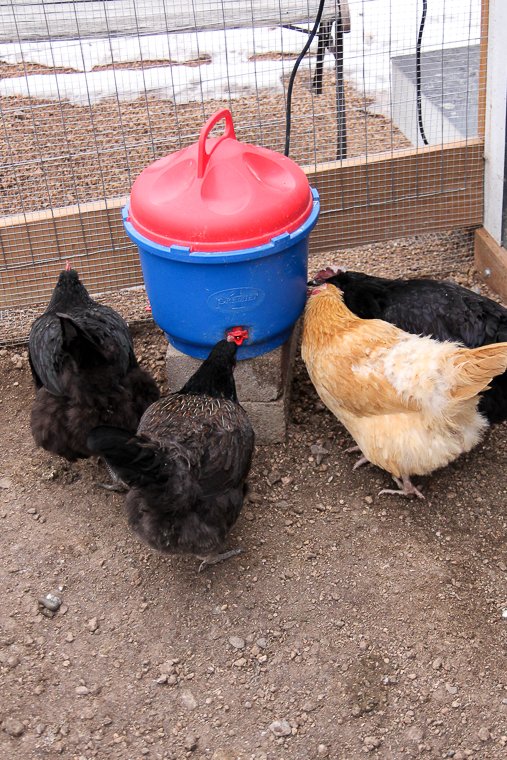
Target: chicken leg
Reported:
point(214, 559)
point(117, 483)
point(362, 460)
point(406, 488)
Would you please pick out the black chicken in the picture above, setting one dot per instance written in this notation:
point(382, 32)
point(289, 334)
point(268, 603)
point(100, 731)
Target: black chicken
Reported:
point(187, 465)
point(443, 310)
point(85, 371)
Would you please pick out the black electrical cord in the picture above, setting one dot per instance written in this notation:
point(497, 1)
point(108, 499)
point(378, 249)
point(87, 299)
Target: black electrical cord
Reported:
point(293, 76)
point(418, 71)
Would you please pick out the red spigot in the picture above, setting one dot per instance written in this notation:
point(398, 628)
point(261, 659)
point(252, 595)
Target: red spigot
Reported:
point(238, 335)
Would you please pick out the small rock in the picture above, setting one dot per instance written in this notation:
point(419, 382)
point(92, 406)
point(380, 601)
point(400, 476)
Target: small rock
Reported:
point(484, 734)
point(274, 477)
point(240, 662)
point(69, 637)
point(368, 499)
point(50, 602)
point(13, 727)
point(191, 742)
point(323, 750)
point(188, 700)
point(82, 691)
point(262, 643)
point(371, 742)
point(248, 515)
point(280, 728)
point(415, 734)
point(255, 498)
point(437, 663)
point(5, 483)
point(93, 624)
point(17, 361)
point(237, 642)
point(169, 666)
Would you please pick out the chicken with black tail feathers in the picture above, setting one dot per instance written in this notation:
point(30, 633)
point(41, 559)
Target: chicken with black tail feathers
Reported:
point(439, 309)
point(187, 466)
point(84, 369)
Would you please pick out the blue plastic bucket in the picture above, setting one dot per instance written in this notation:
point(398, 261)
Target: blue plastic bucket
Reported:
point(198, 297)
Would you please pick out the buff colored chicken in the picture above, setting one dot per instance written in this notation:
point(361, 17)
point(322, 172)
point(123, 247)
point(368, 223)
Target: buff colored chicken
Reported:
point(409, 402)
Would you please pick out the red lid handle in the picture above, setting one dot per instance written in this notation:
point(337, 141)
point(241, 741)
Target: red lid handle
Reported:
point(202, 155)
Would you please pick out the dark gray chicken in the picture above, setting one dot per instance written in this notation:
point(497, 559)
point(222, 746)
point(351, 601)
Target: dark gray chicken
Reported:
point(85, 371)
point(442, 310)
point(187, 466)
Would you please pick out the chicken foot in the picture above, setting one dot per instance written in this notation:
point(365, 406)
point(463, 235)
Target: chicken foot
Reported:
point(362, 460)
point(406, 488)
point(117, 483)
point(214, 559)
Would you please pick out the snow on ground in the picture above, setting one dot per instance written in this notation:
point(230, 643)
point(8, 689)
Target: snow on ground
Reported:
point(380, 29)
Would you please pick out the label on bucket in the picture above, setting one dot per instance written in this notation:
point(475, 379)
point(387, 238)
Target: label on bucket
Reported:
point(236, 299)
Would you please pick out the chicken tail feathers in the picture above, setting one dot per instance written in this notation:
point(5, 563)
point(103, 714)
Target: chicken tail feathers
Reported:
point(137, 460)
point(477, 367)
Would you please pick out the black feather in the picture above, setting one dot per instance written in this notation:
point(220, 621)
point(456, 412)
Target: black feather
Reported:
point(84, 369)
point(187, 466)
point(442, 310)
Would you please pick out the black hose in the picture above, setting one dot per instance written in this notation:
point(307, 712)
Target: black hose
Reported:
point(293, 76)
point(418, 71)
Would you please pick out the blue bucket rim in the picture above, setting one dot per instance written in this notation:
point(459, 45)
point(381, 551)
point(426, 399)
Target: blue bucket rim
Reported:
point(185, 255)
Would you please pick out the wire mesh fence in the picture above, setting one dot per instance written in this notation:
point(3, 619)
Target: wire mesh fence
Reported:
point(93, 92)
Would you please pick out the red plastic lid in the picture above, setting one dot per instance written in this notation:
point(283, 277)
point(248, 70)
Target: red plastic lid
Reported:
point(219, 194)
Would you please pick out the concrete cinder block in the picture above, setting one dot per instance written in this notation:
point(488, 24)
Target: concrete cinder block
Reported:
point(260, 379)
point(262, 383)
point(269, 419)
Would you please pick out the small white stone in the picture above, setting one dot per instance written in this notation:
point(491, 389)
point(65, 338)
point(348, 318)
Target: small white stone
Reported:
point(280, 728)
point(188, 700)
point(237, 642)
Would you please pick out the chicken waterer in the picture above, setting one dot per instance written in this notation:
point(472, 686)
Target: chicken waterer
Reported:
point(222, 229)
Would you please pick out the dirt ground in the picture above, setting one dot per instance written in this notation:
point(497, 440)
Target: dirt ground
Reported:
point(352, 624)
point(56, 153)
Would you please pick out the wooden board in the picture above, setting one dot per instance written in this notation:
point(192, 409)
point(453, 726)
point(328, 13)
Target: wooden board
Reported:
point(483, 69)
point(34, 249)
point(36, 20)
point(399, 194)
point(392, 195)
point(491, 262)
